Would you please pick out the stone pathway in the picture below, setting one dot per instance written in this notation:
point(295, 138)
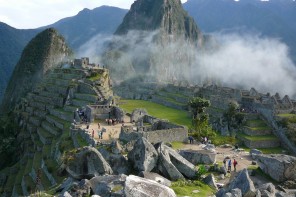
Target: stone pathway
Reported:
point(112, 132)
point(243, 158)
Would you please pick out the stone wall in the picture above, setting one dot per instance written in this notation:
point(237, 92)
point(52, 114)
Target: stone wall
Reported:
point(118, 113)
point(168, 135)
point(261, 143)
point(268, 114)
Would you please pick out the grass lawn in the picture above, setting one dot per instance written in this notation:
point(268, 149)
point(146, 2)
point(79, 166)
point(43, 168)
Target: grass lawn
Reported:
point(276, 150)
point(286, 115)
point(259, 138)
point(177, 145)
point(185, 188)
point(173, 115)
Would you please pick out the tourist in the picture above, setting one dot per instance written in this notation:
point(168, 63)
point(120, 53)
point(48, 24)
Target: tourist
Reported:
point(101, 135)
point(99, 125)
point(229, 165)
point(206, 140)
point(234, 164)
point(190, 139)
point(224, 162)
point(202, 140)
point(93, 134)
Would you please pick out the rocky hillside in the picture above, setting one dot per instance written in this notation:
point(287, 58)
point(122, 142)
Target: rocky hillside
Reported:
point(45, 116)
point(167, 15)
point(42, 53)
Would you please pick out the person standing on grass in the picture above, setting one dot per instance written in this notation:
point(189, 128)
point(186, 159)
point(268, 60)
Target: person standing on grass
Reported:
point(234, 164)
point(229, 165)
point(93, 133)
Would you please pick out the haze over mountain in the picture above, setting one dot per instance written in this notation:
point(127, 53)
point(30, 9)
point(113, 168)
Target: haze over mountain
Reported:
point(266, 19)
point(274, 19)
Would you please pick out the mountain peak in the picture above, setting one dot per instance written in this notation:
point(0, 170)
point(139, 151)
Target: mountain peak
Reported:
point(41, 54)
point(166, 15)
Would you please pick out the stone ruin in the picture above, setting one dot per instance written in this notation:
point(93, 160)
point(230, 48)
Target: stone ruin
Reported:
point(153, 129)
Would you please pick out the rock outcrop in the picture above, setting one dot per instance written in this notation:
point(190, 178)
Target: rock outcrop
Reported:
point(244, 183)
point(110, 185)
point(141, 187)
point(87, 163)
point(210, 180)
point(155, 177)
point(279, 167)
point(166, 15)
point(199, 156)
point(172, 165)
point(143, 156)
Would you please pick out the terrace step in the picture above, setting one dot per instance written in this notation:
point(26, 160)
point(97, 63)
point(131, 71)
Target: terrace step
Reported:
point(36, 121)
point(61, 114)
point(265, 141)
point(44, 136)
point(87, 97)
point(79, 102)
point(71, 108)
point(50, 128)
point(56, 122)
point(58, 90)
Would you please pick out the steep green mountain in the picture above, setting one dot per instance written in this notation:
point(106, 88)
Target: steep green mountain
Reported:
point(167, 15)
point(41, 54)
point(149, 27)
point(12, 42)
point(269, 18)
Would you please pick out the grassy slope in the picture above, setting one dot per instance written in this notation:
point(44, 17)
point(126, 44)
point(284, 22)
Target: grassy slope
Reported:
point(173, 115)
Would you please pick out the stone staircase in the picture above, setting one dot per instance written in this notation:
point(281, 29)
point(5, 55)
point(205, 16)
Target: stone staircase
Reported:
point(257, 134)
point(48, 122)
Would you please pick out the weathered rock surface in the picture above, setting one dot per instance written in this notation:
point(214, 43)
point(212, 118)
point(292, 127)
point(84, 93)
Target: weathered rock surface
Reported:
point(199, 156)
point(210, 180)
point(244, 183)
point(155, 177)
point(255, 152)
point(116, 147)
point(87, 163)
point(279, 167)
point(172, 165)
point(118, 162)
point(144, 157)
point(110, 185)
point(267, 190)
point(141, 187)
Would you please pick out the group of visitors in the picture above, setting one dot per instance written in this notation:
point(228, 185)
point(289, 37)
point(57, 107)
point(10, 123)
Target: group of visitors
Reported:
point(229, 163)
point(111, 121)
point(205, 140)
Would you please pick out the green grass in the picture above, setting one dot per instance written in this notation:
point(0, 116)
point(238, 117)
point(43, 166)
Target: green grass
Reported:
point(286, 115)
point(259, 137)
point(177, 145)
point(276, 150)
point(264, 128)
point(81, 141)
point(220, 140)
point(95, 77)
point(256, 123)
point(173, 115)
point(185, 188)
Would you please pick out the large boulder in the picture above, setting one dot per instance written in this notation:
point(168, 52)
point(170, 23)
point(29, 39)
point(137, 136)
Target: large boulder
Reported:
point(155, 177)
point(141, 187)
point(118, 162)
point(210, 180)
point(199, 156)
point(267, 190)
point(244, 183)
point(279, 167)
point(87, 162)
point(172, 164)
point(143, 156)
point(110, 185)
point(255, 152)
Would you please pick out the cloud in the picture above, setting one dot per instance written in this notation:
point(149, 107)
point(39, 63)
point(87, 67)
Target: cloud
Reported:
point(242, 61)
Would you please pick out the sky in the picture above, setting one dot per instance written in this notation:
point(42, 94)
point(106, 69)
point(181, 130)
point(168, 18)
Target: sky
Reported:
point(26, 14)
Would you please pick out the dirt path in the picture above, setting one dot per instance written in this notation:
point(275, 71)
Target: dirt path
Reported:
point(243, 158)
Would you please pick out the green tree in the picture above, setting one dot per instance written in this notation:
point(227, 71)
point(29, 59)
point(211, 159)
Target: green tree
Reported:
point(233, 117)
point(198, 105)
point(200, 120)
